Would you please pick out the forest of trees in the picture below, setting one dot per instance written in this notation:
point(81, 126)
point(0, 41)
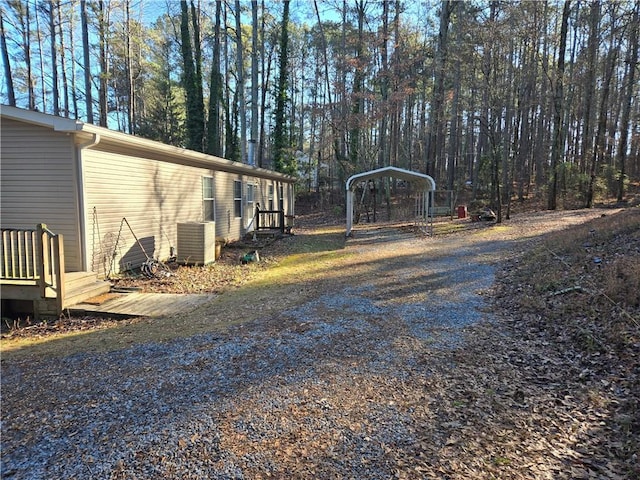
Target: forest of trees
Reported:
point(501, 99)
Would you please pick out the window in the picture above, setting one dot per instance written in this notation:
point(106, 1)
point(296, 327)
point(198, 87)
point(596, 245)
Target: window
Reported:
point(208, 200)
point(281, 198)
point(250, 199)
point(270, 207)
point(251, 188)
point(237, 198)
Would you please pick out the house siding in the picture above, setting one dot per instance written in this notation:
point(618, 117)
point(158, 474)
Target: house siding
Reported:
point(228, 226)
point(82, 180)
point(39, 183)
point(153, 197)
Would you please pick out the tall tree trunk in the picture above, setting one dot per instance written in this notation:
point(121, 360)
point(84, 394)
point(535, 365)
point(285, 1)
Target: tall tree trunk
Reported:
point(558, 99)
point(526, 118)
point(214, 144)
point(240, 86)
point(632, 61)
point(104, 15)
point(199, 94)
point(74, 89)
point(590, 85)
point(63, 62)
point(332, 106)
point(5, 60)
point(401, 96)
point(54, 58)
point(383, 158)
point(508, 131)
point(265, 59)
point(230, 101)
point(25, 24)
point(485, 110)
point(129, 69)
point(600, 142)
point(87, 60)
point(194, 121)
point(281, 157)
point(454, 121)
point(540, 145)
point(41, 55)
point(357, 100)
point(436, 129)
point(254, 83)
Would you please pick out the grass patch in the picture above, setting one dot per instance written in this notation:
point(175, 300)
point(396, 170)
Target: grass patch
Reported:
point(282, 281)
point(444, 228)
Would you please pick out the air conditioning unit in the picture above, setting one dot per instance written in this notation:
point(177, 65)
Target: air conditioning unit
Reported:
point(196, 243)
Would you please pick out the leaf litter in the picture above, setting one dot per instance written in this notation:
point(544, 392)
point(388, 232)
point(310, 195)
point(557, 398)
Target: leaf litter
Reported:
point(402, 371)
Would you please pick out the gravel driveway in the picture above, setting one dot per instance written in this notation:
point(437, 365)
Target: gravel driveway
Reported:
point(339, 386)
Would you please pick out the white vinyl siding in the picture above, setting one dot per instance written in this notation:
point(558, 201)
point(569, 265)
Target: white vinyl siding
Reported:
point(153, 196)
point(38, 184)
point(154, 186)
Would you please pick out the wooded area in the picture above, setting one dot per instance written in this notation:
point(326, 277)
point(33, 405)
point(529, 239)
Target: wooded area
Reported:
point(501, 99)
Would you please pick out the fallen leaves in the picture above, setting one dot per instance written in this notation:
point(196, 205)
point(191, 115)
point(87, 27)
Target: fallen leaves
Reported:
point(547, 389)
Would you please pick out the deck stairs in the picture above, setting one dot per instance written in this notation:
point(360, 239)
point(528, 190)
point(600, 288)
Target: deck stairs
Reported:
point(80, 286)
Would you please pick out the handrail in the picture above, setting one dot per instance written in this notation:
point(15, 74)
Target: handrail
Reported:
point(279, 225)
point(34, 255)
point(19, 254)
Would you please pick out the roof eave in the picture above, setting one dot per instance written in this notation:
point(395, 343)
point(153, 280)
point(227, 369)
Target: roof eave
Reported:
point(169, 153)
point(182, 155)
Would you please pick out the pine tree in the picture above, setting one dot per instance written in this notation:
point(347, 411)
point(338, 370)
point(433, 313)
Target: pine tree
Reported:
point(194, 102)
point(283, 161)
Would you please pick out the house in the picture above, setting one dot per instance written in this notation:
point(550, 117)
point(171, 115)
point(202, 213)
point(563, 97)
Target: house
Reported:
point(117, 199)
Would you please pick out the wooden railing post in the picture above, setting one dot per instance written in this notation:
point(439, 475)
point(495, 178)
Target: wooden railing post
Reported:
point(51, 265)
point(58, 252)
point(258, 218)
point(43, 265)
point(281, 215)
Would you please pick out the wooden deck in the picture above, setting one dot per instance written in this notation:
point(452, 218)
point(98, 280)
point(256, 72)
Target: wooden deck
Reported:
point(137, 304)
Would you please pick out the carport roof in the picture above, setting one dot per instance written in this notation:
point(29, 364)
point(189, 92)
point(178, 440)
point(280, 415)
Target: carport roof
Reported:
point(395, 172)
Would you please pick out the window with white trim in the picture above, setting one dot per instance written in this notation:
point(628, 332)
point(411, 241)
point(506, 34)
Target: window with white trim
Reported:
point(208, 200)
point(251, 189)
point(249, 199)
point(237, 198)
point(270, 198)
point(281, 200)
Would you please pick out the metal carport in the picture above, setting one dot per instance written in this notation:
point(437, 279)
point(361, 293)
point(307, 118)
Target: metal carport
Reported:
point(420, 179)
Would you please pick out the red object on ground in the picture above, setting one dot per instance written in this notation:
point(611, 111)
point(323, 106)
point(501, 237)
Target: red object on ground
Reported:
point(462, 211)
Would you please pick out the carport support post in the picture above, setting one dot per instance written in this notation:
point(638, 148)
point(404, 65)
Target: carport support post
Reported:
point(430, 205)
point(349, 211)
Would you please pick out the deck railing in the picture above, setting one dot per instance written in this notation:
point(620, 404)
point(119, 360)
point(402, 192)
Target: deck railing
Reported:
point(270, 219)
point(34, 257)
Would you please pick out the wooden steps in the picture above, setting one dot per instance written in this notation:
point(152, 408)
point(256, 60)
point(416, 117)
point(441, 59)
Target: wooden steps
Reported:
point(80, 286)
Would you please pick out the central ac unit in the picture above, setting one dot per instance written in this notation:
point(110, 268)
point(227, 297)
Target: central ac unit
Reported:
point(197, 243)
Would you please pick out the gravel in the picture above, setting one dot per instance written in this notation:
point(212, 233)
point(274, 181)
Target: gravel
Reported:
point(332, 388)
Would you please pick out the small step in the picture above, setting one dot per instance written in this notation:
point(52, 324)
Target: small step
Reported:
point(73, 280)
point(82, 286)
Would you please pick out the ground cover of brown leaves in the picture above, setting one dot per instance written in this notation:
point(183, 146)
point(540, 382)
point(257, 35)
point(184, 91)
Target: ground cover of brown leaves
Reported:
point(573, 304)
point(226, 272)
point(549, 388)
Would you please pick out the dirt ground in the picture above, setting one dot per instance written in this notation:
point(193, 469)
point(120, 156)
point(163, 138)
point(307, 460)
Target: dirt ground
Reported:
point(392, 356)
